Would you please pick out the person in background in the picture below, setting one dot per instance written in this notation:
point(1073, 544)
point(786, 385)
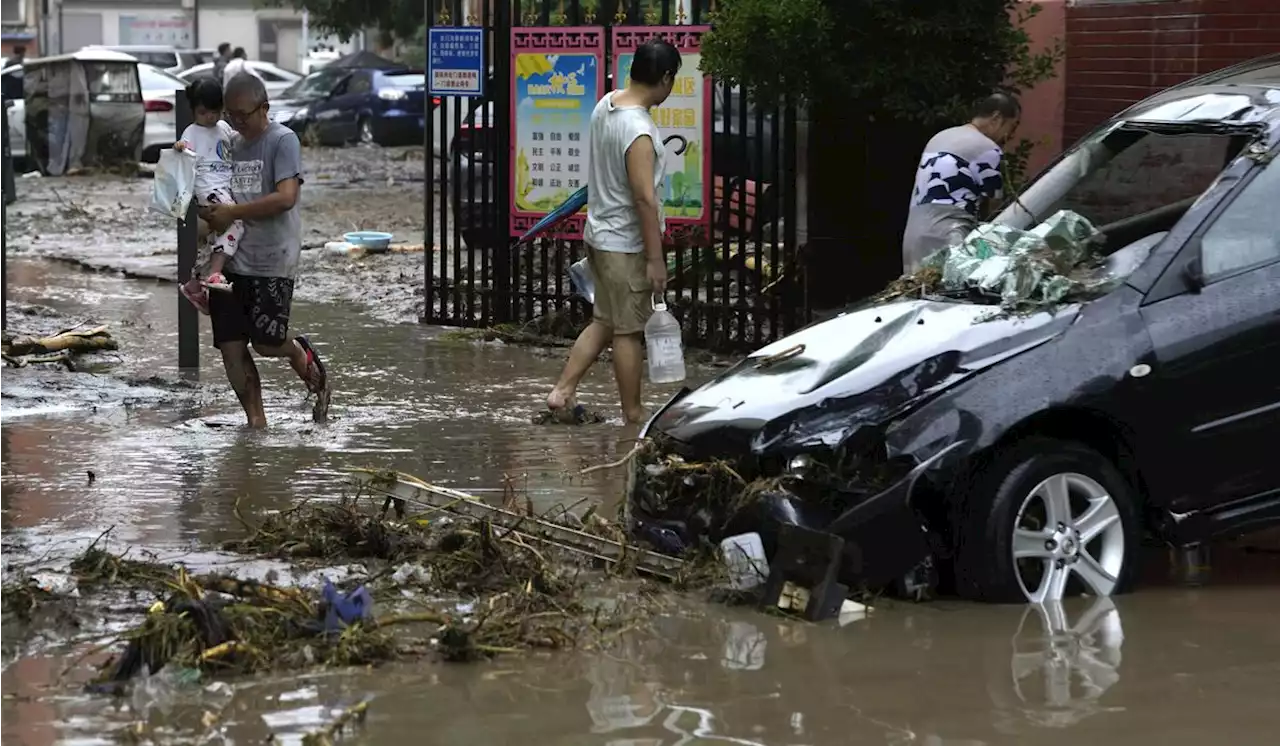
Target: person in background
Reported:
point(239, 63)
point(266, 181)
point(624, 227)
point(19, 55)
point(220, 62)
point(958, 172)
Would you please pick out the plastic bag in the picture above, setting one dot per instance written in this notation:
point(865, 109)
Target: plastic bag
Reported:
point(175, 183)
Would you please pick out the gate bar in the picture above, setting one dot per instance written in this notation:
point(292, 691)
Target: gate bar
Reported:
point(188, 234)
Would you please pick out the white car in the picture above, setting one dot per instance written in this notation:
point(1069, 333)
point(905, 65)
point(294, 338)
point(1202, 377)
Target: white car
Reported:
point(158, 91)
point(276, 79)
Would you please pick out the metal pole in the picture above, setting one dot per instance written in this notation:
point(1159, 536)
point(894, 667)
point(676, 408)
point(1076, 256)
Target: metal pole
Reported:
point(429, 183)
point(195, 24)
point(188, 317)
point(9, 196)
point(305, 46)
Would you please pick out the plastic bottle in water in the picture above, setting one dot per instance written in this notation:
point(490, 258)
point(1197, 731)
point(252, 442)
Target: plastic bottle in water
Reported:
point(666, 351)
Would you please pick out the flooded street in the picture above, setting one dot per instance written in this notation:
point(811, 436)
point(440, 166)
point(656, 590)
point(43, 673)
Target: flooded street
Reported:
point(130, 445)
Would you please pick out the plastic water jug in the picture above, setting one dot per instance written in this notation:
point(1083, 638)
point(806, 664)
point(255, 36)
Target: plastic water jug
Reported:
point(666, 352)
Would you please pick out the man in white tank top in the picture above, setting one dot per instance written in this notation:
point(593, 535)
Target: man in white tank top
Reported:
point(624, 227)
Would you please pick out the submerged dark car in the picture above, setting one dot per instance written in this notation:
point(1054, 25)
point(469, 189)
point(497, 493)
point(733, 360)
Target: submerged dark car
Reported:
point(1026, 456)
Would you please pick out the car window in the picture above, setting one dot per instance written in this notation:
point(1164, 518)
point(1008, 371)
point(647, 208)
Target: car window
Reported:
point(405, 80)
point(159, 59)
point(1247, 233)
point(111, 82)
point(154, 80)
point(314, 85)
point(1124, 173)
point(359, 83)
point(267, 75)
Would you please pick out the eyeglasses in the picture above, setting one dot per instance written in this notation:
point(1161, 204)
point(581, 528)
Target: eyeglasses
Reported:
point(243, 116)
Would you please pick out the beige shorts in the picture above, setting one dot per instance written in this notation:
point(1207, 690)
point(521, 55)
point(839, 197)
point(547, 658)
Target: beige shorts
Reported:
point(624, 295)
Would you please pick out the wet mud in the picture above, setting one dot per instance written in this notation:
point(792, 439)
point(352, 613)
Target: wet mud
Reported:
point(102, 222)
point(128, 444)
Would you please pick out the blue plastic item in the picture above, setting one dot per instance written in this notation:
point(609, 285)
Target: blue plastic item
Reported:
point(341, 610)
point(372, 241)
point(570, 206)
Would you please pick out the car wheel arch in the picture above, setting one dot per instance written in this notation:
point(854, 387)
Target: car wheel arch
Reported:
point(1113, 439)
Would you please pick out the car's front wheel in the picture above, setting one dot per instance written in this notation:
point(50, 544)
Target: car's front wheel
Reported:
point(1047, 519)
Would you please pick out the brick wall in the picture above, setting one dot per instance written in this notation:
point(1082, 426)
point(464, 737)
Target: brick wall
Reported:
point(1121, 51)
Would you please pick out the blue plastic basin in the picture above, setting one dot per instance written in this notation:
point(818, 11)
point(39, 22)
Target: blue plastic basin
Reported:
point(370, 240)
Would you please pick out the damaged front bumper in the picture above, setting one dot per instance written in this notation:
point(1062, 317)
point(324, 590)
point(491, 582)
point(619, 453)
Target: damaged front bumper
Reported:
point(677, 506)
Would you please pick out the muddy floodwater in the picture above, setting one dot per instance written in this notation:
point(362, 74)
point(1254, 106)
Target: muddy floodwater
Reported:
point(1167, 664)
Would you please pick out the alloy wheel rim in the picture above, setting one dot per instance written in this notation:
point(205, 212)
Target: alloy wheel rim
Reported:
point(1068, 535)
point(366, 131)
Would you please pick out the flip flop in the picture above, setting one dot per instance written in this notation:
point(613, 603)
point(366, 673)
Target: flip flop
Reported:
point(201, 302)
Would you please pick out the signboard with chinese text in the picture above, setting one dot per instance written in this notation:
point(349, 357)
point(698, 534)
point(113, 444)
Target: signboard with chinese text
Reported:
point(159, 29)
point(455, 61)
point(557, 78)
point(684, 120)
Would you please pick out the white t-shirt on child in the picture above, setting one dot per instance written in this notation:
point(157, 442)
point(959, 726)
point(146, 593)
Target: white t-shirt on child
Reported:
point(213, 146)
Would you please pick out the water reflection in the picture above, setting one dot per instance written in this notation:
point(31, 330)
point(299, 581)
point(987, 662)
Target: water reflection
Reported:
point(1059, 669)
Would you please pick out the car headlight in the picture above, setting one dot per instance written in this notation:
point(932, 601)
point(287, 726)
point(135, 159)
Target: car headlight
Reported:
point(391, 94)
point(798, 465)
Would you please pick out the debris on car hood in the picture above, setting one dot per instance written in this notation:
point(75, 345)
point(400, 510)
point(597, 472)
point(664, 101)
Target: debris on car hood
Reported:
point(1020, 270)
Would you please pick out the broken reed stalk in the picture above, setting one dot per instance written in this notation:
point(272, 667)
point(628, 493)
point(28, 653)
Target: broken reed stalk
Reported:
point(324, 736)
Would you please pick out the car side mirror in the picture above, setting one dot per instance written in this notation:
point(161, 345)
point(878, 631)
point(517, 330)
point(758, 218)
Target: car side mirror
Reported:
point(1193, 273)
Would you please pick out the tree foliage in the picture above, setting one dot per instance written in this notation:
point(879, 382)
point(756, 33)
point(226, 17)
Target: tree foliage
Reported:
point(392, 18)
point(919, 60)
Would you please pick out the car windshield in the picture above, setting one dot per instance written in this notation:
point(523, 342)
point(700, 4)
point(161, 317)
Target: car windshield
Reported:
point(1127, 177)
point(111, 82)
point(159, 59)
point(1092, 219)
point(317, 84)
point(406, 80)
point(153, 79)
point(196, 72)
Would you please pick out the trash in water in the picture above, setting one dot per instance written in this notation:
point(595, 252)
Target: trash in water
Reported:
point(578, 415)
point(343, 610)
point(745, 558)
point(22, 350)
point(56, 583)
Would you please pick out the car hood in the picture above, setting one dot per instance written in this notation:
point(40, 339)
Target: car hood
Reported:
point(816, 386)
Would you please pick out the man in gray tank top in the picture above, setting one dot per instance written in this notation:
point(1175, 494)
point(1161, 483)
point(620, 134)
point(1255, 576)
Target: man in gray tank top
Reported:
point(959, 170)
point(266, 181)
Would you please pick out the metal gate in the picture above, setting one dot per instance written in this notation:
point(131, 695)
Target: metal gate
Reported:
point(734, 287)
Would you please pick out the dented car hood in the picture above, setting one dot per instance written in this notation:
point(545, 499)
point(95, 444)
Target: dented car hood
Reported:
point(819, 385)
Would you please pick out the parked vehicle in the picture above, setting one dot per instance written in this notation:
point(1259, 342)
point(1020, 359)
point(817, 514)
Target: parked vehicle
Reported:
point(1029, 455)
point(169, 59)
point(335, 106)
point(276, 79)
point(157, 89)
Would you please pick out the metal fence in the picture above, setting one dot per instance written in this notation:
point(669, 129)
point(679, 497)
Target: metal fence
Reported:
point(734, 287)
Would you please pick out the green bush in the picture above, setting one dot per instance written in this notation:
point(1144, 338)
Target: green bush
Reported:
point(917, 60)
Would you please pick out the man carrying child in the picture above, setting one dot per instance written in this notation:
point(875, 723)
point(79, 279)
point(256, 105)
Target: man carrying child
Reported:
point(266, 177)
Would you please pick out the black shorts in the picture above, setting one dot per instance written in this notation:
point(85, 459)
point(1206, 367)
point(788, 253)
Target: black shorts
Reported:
point(256, 310)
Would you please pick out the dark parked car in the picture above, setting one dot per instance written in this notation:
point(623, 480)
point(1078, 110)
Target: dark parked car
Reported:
point(335, 106)
point(1029, 456)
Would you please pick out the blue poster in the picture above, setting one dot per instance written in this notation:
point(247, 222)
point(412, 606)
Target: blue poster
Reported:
point(455, 61)
point(554, 95)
